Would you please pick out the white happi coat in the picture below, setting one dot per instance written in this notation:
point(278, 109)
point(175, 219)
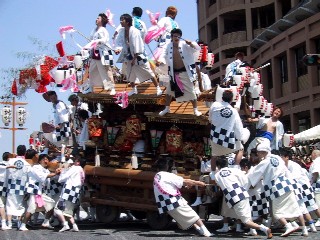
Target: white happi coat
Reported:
point(73, 179)
point(17, 178)
point(36, 179)
point(275, 177)
point(166, 191)
point(306, 191)
point(258, 202)
point(187, 55)
point(277, 135)
point(234, 184)
point(101, 36)
point(315, 168)
point(3, 180)
point(136, 45)
point(61, 112)
point(169, 24)
point(226, 125)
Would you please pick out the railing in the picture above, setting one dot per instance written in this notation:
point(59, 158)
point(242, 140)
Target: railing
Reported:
point(234, 37)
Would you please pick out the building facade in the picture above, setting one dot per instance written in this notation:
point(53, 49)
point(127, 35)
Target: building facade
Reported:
point(279, 32)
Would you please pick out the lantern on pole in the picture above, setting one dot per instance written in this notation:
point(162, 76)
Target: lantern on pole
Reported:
point(6, 115)
point(21, 114)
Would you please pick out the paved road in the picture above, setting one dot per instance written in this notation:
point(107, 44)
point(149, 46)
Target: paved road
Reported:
point(131, 230)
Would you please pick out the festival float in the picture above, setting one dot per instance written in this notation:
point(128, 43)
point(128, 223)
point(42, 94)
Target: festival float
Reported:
point(119, 176)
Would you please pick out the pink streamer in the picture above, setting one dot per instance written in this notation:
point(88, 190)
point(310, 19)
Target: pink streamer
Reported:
point(63, 30)
point(110, 17)
point(178, 81)
point(70, 83)
point(122, 99)
point(153, 33)
point(154, 17)
point(39, 201)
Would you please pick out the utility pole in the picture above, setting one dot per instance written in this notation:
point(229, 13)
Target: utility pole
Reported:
point(13, 128)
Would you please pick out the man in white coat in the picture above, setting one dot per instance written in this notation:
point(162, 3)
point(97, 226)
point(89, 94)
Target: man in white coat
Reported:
point(226, 128)
point(179, 57)
point(131, 46)
point(268, 129)
point(277, 188)
point(100, 69)
point(73, 179)
point(17, 178)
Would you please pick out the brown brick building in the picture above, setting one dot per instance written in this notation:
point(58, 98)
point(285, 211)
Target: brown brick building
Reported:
point(277, 31)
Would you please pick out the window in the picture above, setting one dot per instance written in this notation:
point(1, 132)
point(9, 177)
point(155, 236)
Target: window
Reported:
point(269, 77)
point(283, 68)
point(211, 2)
point(214, 30)
point(301, 68)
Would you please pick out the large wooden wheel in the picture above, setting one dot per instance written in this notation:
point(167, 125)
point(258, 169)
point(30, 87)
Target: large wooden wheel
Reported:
point(158, 221)
point(107, 214)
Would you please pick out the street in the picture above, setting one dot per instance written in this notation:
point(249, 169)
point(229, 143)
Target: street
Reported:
point(132, 230)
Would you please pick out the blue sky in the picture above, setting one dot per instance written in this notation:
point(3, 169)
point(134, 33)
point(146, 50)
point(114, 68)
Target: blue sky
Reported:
point(23, 20)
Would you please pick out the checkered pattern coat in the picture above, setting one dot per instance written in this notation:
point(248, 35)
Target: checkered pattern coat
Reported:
point(53, 187)
point(102, 36)
point(166, 191)
point(233, 183)
point(3, 180)
point(17, 178)
point(71, 193)
point(226, 125)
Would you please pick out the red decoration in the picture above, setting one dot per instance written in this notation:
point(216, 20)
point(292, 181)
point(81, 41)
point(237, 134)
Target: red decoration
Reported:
point(60, 49)
point(14, 88)
point(204, 56)
point(25, 74)
point(174, 141)
point(95, 126)
point(41, 89)
point(126, 146)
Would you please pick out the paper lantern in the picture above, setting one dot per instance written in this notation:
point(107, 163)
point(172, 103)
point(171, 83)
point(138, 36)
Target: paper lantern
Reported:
point(269, 110)
point(258, 103)
point(197, 56)
point(235, 92)
point(6, 115)
point(78, 61)
point(210, 61)
point(21, 114)
point(239, 80)
point(219, 92)
point(288, 140)
point(257, 91)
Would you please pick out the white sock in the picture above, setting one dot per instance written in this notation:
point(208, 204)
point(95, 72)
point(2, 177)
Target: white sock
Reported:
point(167, 108)
point(65, 223)
point(3, 222)
point(195, 109)
point(204, 230)
point(45, 222)
point(73, 225)
point(198, 199)
point(263, 228)
point(288, 225)
point(10, 223)
point(225, 225)
point(23, 225)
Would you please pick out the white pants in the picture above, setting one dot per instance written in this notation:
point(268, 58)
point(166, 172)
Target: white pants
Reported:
point(98, 73)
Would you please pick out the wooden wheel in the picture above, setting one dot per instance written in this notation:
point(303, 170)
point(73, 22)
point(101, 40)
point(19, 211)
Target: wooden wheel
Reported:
point(107, 214)
point(158, 221)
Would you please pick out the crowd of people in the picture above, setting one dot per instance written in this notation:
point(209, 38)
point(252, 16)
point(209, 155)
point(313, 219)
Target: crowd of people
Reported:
point(28, 187)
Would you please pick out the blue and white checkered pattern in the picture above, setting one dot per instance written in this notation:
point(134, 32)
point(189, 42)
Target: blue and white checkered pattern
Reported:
point(142, 59)
point(167, 204)
point(308, 197)
point(259, 205)
point(71, 195)
point(15, 187)
point(33, 188)
point(108, 59)
point(54, 187)
point(220, 137)
point(297, 190)
point(3, 189)
point(193, 70)
point(277, 188)
point(316, 187)
point(65, 131)
point(234, 196)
